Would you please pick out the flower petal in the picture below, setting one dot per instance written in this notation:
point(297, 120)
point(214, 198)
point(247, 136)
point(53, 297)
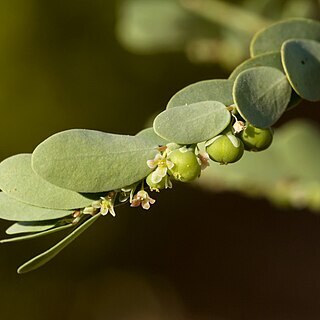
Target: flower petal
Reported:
point(112, 212)
point(161, 171)
point(155, 178)
point(145, 205)
point(169, 164)
point(151, 164)
point(135, 202)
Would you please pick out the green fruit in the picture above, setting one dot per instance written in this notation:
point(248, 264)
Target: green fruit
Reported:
point(155, 186)
point(186, 167)
point(225, 151)
point(256, 139)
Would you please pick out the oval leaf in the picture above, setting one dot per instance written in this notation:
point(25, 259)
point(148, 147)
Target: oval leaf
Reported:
point(36, 235)
point(272, 59)
point(92, 161)
point(149, 135)
point(207, 90)
point(301, 61)
point(46, 256)
point(261, 95)
point(18, 180)
point(31, 226)
point(271, 38)
point(13, 210)
point(192, 123)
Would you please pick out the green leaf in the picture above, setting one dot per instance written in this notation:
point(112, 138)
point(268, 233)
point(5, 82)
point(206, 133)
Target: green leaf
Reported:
point(271, 38)
point(13, 210)
point(301, 61)
point(46, 256)
point(92, 161)
point(36, 235)
point(18, 180)
point(31, 226)
point(149, 135)
point(261, 95)
point(207, 90)
point(192, 123)
point(272, 59)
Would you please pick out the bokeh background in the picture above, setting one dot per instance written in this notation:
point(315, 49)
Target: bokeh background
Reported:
point(196, 254)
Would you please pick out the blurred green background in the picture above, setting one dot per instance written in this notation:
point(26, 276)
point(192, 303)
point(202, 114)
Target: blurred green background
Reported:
point(195, 254)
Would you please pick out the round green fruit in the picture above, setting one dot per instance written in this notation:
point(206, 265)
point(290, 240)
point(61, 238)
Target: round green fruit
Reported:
point(225, 151)
point(256, 139)
point(186, 167)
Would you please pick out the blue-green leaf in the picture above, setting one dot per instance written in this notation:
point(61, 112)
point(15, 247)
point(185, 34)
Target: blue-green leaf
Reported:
point(193, 123)
point(37, 234)
point(261, 95)
point(31, 226)
point(92, 161)
point(301, 61)
point(149, 135)
point(13, 210)
point(18, 180)
point(46, 256)
point(272, 59)
point(271, 38)
point(207, 90)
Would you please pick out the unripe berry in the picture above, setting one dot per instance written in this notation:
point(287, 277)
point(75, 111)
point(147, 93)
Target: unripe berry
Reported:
point(225, 151)
point(256, 139)
point(186, 166)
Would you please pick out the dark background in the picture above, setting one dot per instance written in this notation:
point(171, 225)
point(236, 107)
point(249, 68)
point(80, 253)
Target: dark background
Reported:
point(195, 254)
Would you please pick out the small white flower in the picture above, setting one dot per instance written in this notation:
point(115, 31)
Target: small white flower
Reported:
point(161, 165)
point(142, 198)
point(104, 205)
point(107, 206)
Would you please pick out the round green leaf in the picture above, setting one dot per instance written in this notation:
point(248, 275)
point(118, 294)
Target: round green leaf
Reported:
point(149, 135)
point(207, 90)
point(301, 61)
point(271, 38)
point(18, 180)
point(92, 161)
point(13, 210)
point(261, 95)
point(192, 123)
point(272, 59)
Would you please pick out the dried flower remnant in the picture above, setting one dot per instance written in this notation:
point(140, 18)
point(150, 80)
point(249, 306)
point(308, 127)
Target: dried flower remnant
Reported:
point(203, 158)
point(238, 126)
